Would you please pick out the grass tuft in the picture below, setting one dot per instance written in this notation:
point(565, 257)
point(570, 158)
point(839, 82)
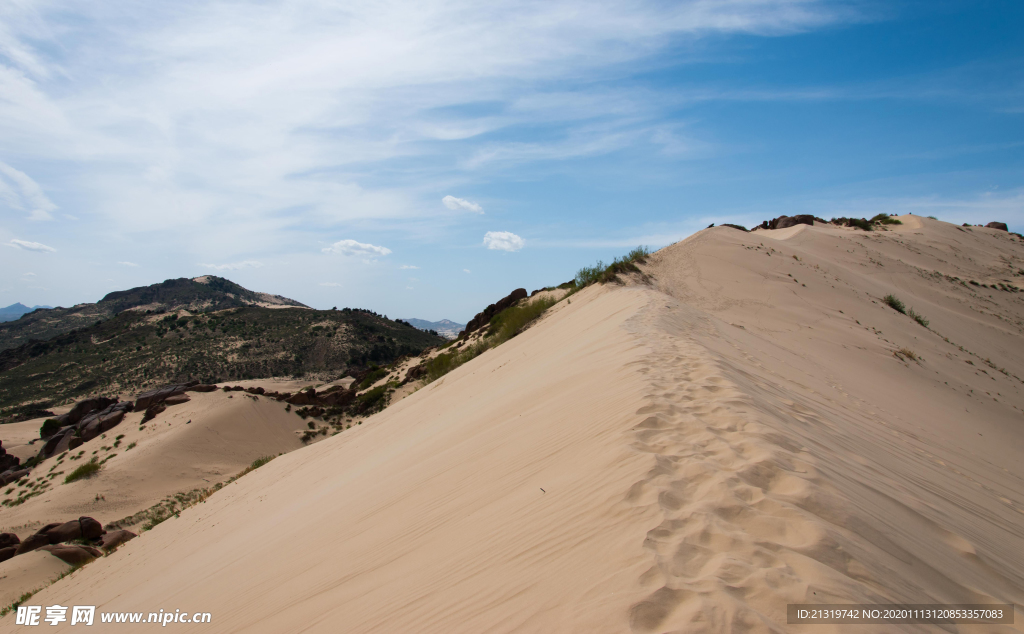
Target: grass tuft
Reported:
point(602, 274)
point(918, 318)
point(894, 303)
point(86, 470)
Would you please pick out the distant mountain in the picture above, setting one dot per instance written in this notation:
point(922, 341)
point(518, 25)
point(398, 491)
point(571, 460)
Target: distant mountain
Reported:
point(446, 328)
point(200, 294)
point(15, 311)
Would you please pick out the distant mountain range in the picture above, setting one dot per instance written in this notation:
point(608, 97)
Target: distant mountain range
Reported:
point(446, 328)
point(200, 294)
point(15, 311)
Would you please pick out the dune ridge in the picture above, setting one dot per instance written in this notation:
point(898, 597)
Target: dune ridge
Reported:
point(689, 455)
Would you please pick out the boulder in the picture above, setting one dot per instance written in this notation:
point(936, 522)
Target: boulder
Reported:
point(304, 398)
point(75, 443)
point(74, 555)
point(64, 444)
point(202, 388)
point(7, 553)
point(483, 318)
point(48, 527)
point(113, 539)
point(255, 390)
point(79, 411)
point(7, 461)
point(177, 399)
point(13, 476)
point(152, 397)
point(82, 528)
point(9, 539)
point(51, 445)
point(32, 542)
point(415, 372)
point(998, 225)
point(152, 411)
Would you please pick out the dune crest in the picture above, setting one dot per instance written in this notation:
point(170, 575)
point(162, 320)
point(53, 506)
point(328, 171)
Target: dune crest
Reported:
point(747, 432)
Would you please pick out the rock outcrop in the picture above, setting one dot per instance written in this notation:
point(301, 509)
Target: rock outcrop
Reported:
point(998, 225)
point(483, 318)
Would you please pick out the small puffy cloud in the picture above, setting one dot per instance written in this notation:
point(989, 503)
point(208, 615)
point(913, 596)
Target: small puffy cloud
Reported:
point(329, 284)
point(457, 204)
point(353, 248)
point(30, 246)
point(503, 241)
point(19, 191)
point(408, 267)
point(233, 266)
point(132, 264)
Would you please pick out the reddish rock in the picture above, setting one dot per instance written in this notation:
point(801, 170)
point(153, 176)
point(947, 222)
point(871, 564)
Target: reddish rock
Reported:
point(484, 318)
point(152, 397)
point(113, 539)
point(13, 476)
point(9, 539)
point(177, 399)
point(998, 225)
point(32, 542)
point(202, 388)
point(74, 555)
point(7, 553)
point(152, 411)
point(82, 528)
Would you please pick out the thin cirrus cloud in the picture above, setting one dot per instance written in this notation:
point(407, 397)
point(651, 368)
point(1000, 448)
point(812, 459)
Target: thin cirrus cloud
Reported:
point(408, 267)
point(351, 248)
point(461, 204)
point(129, 264)
point(503, 241)
point(30, 246)
point(233, 266)
point(19, 192)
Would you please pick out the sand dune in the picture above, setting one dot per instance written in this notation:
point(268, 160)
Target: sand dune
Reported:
point(196, 444)
point(686, 456)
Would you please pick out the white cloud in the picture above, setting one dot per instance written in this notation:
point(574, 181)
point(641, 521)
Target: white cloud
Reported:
point(233, 266)
point(131, 264)
point(408, 267)
point(30, 246)
point(465, 270)
point(353, 248)
point(451, 202)
point(329, 284)
point(503, 241)
point(18, 191)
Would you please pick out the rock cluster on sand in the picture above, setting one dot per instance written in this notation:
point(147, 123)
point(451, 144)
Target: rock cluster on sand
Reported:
point(484, 318)
point(998, 225)
point(54, 537)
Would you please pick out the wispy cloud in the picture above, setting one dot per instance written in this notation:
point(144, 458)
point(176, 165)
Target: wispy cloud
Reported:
point(30, 246)
point(456, 204)
point(129, 264)
point(408, 267)
point(353, 248)
point(18, 191)
point(503, 241)
point(466, 271)
point(233, 266)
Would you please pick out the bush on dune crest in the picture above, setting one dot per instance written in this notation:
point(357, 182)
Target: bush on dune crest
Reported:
point(601, 274)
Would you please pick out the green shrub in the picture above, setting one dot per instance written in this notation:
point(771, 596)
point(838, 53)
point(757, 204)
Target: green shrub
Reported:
point(740, 227)
point(509, 322)
point(918, 318)
point(375, 375)
point(601, 274)
point(886, 219)
point(49, 428)
point(895, 304)
point(86, 470)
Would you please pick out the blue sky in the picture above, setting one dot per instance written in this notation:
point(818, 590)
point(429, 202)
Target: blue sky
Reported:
point(422, 159)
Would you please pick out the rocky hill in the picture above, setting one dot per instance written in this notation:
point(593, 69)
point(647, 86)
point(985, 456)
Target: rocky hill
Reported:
point(136, 349)
point(204, 293)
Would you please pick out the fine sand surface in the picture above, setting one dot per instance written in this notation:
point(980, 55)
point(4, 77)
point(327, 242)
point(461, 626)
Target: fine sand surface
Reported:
point(27, 572)
point(686, 456)
point(188, 446)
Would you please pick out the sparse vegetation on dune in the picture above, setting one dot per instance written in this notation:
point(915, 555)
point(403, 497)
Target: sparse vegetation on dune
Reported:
point(894, 303)
point(81, 472)
point(601, 273)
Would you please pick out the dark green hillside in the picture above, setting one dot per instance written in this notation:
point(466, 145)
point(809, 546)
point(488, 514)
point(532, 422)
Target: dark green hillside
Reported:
point(134, 350)
point(206, 293)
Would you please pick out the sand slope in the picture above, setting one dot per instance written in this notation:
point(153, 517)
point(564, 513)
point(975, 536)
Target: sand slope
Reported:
point(195, 444)
point(739, 436)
